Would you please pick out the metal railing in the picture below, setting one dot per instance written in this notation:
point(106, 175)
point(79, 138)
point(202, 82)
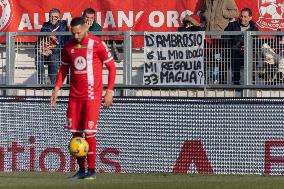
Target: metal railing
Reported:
point(258, 76)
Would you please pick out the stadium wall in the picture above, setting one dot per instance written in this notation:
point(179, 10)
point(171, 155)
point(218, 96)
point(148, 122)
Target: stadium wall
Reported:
point(141, 135)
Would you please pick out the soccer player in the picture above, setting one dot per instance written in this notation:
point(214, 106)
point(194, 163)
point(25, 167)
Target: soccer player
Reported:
point(84, 56)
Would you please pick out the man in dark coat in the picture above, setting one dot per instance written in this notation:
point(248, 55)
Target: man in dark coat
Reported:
point(244, 23)
point(49, 47)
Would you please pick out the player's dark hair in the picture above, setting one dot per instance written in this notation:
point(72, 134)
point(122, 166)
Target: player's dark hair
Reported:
point(77, 21)
point(88, 11)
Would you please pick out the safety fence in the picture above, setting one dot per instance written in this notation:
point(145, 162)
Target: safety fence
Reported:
point(142, 135)
point(256, 61)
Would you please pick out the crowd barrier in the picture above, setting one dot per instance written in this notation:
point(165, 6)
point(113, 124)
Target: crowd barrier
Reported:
point(262, 57)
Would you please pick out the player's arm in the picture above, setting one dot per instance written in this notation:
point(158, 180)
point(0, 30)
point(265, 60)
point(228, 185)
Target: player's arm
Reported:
point(54, 96)
point(108, 61)
point(60, 78)
point(111, 79)
point(62, 73)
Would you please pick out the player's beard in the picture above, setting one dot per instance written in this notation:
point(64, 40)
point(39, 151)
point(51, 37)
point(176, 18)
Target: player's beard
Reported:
point(85, 35)
point(81, 39)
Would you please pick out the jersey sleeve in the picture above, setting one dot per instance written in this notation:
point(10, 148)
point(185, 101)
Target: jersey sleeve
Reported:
point(64, 68)
point(107, 59)
point(104, 53)
point(65, 58)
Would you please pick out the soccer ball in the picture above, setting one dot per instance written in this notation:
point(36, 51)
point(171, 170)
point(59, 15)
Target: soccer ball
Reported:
point(78, 147)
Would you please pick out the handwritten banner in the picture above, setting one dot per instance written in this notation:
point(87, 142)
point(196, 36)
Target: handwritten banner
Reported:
point(174, 58)
point(143, 15)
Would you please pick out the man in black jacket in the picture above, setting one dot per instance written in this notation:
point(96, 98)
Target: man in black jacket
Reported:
point(244, 23)
point(49, 47)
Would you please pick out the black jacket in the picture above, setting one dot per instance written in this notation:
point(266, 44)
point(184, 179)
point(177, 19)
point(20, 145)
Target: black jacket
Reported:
point(191, 28)
point(238, 40)
point(60, 26)
point(236, 26)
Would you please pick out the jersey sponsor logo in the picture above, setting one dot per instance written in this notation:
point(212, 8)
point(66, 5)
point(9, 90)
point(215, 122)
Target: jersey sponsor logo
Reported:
point(271, 14)
point(80, 63)
point(5, 14)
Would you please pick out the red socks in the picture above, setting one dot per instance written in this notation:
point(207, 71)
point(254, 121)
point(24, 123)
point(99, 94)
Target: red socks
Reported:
point(91, 157)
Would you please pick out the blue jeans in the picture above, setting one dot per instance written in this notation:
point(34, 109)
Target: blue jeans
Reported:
point(53, 63)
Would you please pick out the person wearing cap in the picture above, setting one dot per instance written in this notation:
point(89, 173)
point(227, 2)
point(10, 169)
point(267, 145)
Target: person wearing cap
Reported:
point(189, 23)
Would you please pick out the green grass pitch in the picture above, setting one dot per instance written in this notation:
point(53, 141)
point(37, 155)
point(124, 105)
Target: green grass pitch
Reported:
point(42, 180)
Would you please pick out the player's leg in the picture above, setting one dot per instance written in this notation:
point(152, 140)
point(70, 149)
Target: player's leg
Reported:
point(74, 124)
point(81, 161)
point(92, 115)
point(91, 157)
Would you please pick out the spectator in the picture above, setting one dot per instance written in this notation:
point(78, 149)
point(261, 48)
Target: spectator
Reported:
point(189, 24)
point(244, 23)
point(216, 14)
point(89, 16)
point(271, 66)
point(49, 48)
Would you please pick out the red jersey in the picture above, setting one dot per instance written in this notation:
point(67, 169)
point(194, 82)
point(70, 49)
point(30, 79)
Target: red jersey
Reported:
point(85, 61)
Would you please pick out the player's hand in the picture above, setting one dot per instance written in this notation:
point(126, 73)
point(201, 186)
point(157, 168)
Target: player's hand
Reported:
point(53, 99)
point(108, 98)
